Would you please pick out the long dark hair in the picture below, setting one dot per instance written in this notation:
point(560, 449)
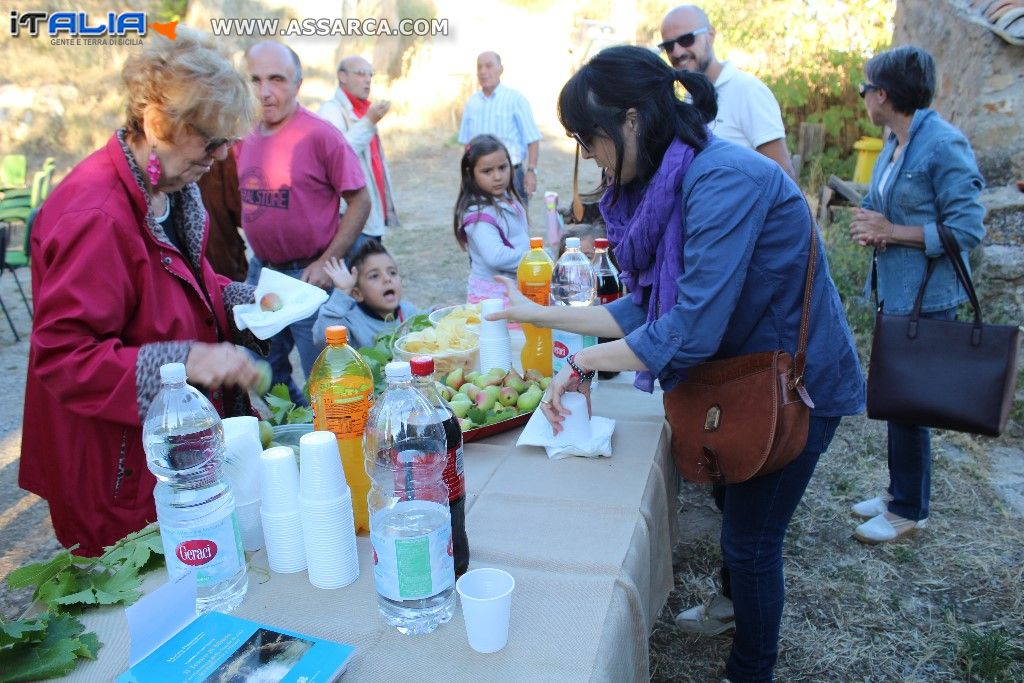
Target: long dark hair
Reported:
point(625, 77)
point(469, 192)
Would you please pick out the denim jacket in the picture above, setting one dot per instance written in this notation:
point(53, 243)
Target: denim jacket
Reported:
point(745, 247)
point(935, 180)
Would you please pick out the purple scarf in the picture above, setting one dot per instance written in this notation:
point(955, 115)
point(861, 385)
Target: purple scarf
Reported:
point(645, 227)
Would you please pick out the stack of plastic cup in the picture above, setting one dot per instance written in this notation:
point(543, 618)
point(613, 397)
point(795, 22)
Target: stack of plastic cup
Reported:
point(279, 510)
point(325, 500)
point(242, 468)
point(495, 342)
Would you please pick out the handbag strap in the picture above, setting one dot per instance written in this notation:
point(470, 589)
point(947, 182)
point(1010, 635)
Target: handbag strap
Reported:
point(952, 250)
point(800, 361)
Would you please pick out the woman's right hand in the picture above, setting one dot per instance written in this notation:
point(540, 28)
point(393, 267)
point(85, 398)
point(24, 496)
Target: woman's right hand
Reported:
point(520, 309)
point(224, 364)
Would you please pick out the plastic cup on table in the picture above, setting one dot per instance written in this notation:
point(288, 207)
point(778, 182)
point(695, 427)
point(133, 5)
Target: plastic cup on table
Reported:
point(242, 464)
point(495, 353)
point(575, 425)
point(279, 481)
point(490, 329)
point(286, 550)
point(486, 597)
point(321, 476)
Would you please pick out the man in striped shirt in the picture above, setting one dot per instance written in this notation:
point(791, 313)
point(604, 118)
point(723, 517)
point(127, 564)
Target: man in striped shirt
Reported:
point(505, 114)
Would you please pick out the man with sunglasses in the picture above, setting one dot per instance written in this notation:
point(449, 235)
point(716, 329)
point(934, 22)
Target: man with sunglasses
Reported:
point(748, 113)
point(352, 112)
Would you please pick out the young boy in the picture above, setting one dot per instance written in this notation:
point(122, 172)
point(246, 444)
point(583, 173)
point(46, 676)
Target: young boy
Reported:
point(367, 297)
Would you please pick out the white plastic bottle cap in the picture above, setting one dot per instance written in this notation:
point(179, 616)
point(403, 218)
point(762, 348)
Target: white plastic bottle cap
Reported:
point(572, 242)
point(398, 371)
point(172, 372)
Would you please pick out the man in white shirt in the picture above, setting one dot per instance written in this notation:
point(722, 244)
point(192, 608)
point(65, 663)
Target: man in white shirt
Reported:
point(351, 112)
point(504, 113)
point(748, 113)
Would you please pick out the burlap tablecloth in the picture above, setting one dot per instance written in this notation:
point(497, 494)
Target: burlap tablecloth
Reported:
point(589, 542)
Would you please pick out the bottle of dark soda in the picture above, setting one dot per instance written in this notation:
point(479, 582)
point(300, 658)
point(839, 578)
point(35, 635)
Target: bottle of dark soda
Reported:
point(609, 286)
point(454, 474)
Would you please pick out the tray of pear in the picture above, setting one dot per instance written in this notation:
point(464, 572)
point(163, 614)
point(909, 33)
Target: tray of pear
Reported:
point(491, 402)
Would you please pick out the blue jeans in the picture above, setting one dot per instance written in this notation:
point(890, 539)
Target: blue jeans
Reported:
point(755, 515)
point(910, 459)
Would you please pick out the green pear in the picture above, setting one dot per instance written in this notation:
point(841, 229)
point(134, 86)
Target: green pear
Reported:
point(508, 396)
point(533, 375)
point(530, 400)
point(544, 382)
point(444, 390)
point(469, 389)
point(455, 379)
point(513, 380)
point(465, 425)
point(486, 399)
point(460, 408)
point(497, 372)
point(490, 380)
point(266, 377)
point(266, 433)
point(474, 377)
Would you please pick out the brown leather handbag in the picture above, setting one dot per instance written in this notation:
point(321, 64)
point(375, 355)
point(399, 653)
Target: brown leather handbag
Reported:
point(739, 418)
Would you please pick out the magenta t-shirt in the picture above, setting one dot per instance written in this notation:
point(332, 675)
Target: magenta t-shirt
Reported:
point(291, 183)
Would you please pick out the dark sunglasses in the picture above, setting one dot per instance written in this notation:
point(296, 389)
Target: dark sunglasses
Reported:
point(685, 40)
point(213, 144)
point(864, 88)
point(585, 144)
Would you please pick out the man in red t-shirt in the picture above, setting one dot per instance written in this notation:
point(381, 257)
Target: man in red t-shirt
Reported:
point(293, 171)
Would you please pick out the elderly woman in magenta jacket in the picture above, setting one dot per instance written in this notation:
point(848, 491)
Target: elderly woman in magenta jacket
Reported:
point(925, 175)
point(122, 286)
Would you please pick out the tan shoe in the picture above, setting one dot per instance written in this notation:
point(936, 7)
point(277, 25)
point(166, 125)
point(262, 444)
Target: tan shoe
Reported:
point(887, 527)
point(708, 620)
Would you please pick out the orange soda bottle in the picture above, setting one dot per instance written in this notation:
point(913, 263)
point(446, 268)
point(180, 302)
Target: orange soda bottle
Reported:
point(534, 276)
point(341, 394)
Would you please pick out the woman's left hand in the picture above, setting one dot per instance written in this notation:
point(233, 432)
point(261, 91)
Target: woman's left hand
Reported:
point(870, 229)
point(551, 403)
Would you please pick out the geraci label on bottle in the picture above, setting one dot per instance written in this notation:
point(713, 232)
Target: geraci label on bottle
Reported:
point(564, 344)
point(412, 567)
point(213, 551)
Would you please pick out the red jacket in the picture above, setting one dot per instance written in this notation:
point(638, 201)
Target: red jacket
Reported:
point(109, 296)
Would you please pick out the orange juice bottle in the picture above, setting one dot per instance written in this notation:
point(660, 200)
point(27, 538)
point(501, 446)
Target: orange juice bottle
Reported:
point(534, 275)
point(341, 394)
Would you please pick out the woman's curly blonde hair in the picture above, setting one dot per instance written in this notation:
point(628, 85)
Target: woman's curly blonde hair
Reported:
point(187, 82)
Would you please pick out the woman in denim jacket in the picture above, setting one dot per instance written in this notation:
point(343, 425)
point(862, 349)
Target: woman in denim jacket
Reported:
point(925, 175)
point(713, 242)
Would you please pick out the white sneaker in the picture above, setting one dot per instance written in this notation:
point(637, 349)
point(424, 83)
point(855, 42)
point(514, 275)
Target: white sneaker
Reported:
point(708, 620)
point(872, 507)
point(881, 529)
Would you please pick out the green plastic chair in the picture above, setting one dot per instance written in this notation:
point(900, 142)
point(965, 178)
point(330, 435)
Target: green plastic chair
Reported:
point(3, 267)
point(17, 257)
point(13, 170)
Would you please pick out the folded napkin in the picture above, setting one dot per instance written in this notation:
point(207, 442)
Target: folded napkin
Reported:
point(300, 300)
point(588, 438)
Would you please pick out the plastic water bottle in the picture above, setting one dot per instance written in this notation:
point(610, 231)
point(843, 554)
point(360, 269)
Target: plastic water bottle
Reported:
point(454, 472)
point(609, 286)
point(572, 284)
point(184, 445)
point(534, 279)
point(341, 393)
point(553, 223)
point(410, 522)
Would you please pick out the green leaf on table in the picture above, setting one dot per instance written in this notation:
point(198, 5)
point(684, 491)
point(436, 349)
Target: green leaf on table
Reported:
point(135, 549)
point(88, 645)
point(477, 416)
point(38, 573)
point(72, 583)
point(53, 656)
point(300, 415)
point(27, 630)
point(123, 586)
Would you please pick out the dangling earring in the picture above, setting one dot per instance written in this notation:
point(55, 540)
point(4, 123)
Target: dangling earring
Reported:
point(153, 169)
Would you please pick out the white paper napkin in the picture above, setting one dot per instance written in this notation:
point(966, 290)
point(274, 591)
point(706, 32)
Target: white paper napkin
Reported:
point(300, 300)
point(570, 442)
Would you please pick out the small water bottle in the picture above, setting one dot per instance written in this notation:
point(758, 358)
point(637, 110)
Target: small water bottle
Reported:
point(410, 521)
point(573, 283)
point(552, 221)
point(184, 444)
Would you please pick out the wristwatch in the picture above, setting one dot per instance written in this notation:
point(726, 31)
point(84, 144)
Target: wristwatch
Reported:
point(531, 169)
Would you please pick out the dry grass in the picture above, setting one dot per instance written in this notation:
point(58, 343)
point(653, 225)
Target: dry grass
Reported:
point(944, 606)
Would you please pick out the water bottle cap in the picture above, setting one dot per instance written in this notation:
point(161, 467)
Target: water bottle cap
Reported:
point(422, 366)
point(172, 373)
point(398, 371)
point(337, 335)
point(536, 243)
point(572, 242)
point(601, 243)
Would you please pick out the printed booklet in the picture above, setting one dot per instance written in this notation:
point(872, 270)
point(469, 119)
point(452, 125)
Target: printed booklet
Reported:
point(221, 647)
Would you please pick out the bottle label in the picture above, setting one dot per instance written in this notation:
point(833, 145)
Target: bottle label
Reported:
point(213, 551)
point(537, 292)
point(341, 405)
point(413, 567)
point(564, 344)
point(454, 474)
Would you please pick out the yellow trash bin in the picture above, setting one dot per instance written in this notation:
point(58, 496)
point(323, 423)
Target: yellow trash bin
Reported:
point(867, 153)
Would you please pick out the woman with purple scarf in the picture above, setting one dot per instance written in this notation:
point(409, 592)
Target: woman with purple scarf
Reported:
point(713, 242)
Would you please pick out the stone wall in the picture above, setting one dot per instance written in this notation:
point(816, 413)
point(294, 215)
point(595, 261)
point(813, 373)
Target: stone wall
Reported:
point(980, 81)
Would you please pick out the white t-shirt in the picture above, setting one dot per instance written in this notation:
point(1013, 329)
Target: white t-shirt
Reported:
point(748, 113)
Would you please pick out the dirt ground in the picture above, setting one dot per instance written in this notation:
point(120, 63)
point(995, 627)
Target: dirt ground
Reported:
point(944, 606)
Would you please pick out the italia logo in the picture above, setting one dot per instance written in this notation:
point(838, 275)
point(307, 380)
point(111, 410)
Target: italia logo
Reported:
point(559, 350)
point(196, 552)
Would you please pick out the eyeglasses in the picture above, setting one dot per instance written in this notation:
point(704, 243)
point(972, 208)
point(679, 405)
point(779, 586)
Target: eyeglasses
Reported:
point(213, 144)
point(864, 88)
point(579, 140)
point(359, 72)
point(685, 40)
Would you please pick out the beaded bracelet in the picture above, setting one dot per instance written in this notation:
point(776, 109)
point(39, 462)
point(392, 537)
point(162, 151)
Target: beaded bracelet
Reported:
point(584, 376)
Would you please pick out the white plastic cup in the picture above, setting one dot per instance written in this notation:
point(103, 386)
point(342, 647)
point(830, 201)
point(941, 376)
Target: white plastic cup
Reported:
point(576, 425)
point(321, 476)
point(250, 524)
point(486, 597)
point(286, 550)
point(495, 353)
point(279, 480)
point(242, 464)
point(492, 328)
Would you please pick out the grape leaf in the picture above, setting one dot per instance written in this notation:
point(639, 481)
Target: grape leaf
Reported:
point(300, 415)
point(89, 645)
point(280, 390)
point(38, 573)
point(135, 549)
point(55, 655)
point(122, 586)
point(73, 582)
point(27, 630)
point(477, 416)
